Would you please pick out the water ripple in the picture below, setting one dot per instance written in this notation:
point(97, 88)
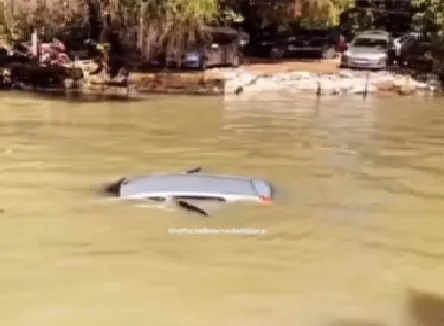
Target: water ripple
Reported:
point(363, 196)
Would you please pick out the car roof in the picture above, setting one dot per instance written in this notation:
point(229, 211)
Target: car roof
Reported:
point(194, 184)
point(376, 31)
point(372, 37)
point(374, 34)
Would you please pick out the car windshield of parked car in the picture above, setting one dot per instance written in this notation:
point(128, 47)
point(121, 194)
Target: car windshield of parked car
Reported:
point(318, 33)
point(367, 42)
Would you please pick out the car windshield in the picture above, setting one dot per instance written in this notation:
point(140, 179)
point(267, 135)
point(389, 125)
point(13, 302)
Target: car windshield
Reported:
point(310, 34)
point(368, 42)
point(317, 33)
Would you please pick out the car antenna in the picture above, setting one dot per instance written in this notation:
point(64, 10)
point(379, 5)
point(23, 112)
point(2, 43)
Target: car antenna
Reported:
point(191, 208)
point(195, 170)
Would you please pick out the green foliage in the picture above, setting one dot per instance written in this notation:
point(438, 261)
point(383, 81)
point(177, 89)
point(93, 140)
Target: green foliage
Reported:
point(175, 23)
point(172, 23)
point(430, 17)
point(323, 13)
point(281, 12)
point(12, 25)
point(18, 17)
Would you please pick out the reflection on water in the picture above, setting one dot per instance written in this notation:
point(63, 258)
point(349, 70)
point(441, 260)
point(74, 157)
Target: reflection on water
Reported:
point(361, 222)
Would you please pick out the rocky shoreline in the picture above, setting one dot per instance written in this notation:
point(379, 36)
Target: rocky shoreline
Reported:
point(341, 83)
point(322, 78)
point(234, 82)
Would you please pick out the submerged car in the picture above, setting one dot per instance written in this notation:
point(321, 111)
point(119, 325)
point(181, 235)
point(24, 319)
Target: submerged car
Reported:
point(192, 185)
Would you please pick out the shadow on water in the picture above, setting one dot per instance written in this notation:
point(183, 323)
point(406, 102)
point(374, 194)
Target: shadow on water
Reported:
point(78, 97)
point(425, 309)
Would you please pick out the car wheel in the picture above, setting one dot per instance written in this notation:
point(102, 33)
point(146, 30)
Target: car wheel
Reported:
point(276, 53)
point(328, 54)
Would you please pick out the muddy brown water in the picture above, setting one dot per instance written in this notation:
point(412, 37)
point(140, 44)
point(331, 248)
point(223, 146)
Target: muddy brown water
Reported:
point(360, 222)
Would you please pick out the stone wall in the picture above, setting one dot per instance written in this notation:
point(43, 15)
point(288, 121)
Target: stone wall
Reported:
point(344, 82)
point(246, 80)
point(193, 83)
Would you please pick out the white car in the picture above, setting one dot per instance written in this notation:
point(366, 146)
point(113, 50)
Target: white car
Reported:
point(369, 50)
point(179, 188)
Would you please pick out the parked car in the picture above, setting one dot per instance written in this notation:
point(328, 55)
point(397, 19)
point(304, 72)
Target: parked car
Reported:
point(263, 41)
point(84, 49)
point(222, 46)
point(401, 42)
point(418, 54)
point(324, 43)
point(370, 50)
point(18, 53)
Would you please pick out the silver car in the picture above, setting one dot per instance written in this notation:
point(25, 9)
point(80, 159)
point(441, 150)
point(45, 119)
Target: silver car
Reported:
point(181, 188)
point(371, 50)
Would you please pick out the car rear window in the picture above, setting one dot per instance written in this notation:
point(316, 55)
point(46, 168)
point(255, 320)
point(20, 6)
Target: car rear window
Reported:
point(419, 47)
point(223, 38)
point(425, 45)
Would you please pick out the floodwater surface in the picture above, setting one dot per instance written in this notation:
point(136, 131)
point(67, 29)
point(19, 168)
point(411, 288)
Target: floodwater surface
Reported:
point(358, 229)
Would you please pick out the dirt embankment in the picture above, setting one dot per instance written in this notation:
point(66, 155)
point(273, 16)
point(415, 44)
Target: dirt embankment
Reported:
point(261, 66)
point(211, 81)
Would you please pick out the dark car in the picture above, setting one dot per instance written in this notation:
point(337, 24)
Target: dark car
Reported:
point(220, 46)
point(3, 57)
point(262, 41)
point(83, 49)
point(323, 43)
point(418, 54)
point(18, 53)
